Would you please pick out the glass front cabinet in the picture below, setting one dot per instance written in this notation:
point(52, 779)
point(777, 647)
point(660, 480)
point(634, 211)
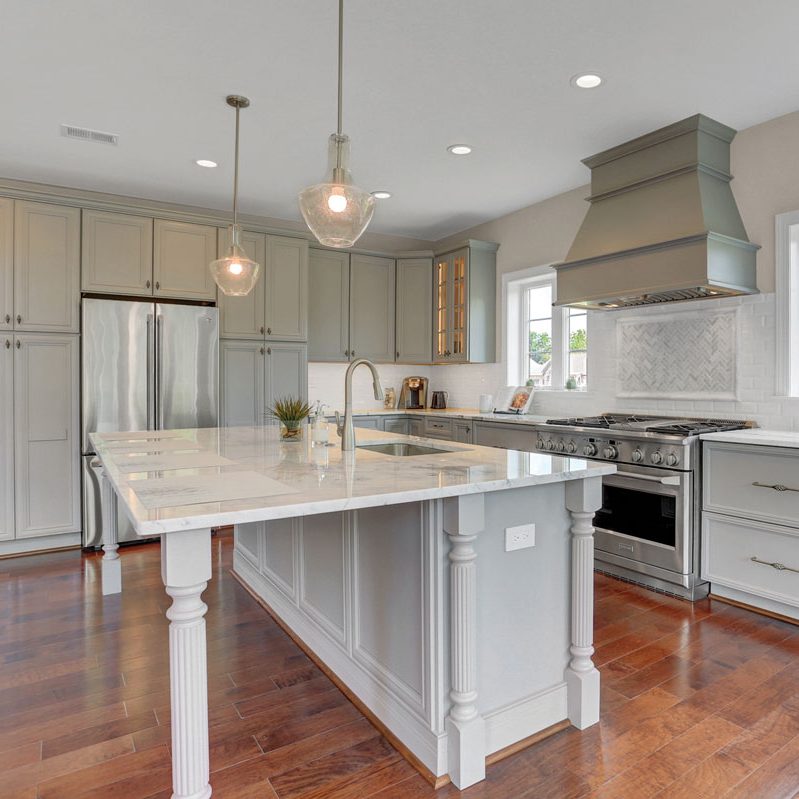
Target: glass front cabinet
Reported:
point(464, 304)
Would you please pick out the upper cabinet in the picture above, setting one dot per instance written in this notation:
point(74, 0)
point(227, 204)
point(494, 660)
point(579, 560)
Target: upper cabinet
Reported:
point(6, 265)
point(117, 253)
point(181, 254)
point(277, 308)
point(328, 306)
point(372, 307)
point(414, 321)
point(46, 267)
point(464, 304)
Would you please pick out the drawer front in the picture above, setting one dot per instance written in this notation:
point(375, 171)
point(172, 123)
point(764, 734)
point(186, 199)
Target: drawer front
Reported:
point(400, 426)
point(369, 422)
point(437, 428)
point(728, 546)
point(415, 427)
point(753, 482)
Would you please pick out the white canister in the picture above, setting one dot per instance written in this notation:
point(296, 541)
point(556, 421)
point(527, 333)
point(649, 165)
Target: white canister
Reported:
point(486, 403)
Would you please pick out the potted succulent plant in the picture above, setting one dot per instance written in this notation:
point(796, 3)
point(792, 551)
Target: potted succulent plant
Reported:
point(291, 412)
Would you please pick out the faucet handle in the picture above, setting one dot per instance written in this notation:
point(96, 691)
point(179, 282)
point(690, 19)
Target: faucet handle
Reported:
point(339, 425)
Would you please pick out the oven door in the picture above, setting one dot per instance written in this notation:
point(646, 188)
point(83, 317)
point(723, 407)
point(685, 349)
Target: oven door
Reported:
point(646, 518)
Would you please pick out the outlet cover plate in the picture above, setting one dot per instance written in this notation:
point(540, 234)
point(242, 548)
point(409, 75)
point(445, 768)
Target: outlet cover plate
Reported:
point(520, 537)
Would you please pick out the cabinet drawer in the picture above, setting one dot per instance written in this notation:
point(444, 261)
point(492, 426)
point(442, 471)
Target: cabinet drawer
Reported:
point(400, 426)
point(437, 428)
point(753, 482)
point(728, 546)
point(369, 422)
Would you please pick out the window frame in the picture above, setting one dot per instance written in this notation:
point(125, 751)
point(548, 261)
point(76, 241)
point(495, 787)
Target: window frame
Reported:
point(787, 302)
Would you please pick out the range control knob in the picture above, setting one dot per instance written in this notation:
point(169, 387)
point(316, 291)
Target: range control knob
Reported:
point(550, 445)
point(571, 447)
point(561, 446)
point(638, 456)
point(610, 452)
point(589, 450)
point(672, 459)
point(657, 457)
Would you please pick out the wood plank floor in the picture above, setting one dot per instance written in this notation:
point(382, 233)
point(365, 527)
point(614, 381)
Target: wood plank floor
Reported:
point(698, 700)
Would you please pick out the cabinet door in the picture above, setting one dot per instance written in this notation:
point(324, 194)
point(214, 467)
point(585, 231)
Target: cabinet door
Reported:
point(182, 253)
point(462, 432)
point(328, 306)
point(47, 456)
point(287, 294)
point(401, 426)
point(414, 318)
point(442, 281)
point(6, 264)
point(241, 378)
point(46, 267)
point(243, 317)
point(372, 307)
point(459, 306)
point(286, 371)
point(117, 253)
point(6, 437)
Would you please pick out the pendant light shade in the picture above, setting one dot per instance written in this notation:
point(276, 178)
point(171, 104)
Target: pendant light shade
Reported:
point(235, 274)
point(337, 211)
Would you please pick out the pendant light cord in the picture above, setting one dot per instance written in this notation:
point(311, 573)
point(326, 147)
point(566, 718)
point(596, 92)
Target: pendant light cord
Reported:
point(236, 172)
point(340, 78)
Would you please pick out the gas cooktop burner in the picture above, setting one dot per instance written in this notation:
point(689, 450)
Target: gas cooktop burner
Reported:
point(605, 421)
point(651, 424)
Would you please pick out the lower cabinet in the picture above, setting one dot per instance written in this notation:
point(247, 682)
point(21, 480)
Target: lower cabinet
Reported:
point(368, 422)
point(40, 491)
point(253, 374)
point(399, 425)
point(462, 431)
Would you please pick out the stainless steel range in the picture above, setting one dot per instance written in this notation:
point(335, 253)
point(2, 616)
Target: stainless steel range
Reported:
point(648, 527)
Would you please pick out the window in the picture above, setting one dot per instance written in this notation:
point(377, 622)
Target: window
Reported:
point(787, 297)
point(545, 345)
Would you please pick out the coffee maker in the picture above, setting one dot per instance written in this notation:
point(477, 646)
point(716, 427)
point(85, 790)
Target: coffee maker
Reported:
point(413, 394)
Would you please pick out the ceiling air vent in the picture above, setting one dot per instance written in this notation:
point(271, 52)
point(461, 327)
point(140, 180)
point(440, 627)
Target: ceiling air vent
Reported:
point(84, 134)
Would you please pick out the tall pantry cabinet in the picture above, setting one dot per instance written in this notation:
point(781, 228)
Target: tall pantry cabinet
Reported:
point(263, 336)
point(39, 347)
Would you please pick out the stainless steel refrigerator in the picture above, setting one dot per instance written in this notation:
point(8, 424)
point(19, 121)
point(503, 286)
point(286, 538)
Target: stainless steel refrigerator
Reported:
point(146, 366)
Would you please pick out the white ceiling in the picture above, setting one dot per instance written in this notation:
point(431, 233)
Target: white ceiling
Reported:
point(419, 75)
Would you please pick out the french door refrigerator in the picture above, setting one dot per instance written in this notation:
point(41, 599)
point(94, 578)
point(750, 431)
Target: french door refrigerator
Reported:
point(146, 366)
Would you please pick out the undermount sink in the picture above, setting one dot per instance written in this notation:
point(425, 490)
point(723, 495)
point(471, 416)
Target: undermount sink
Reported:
point(401, 449)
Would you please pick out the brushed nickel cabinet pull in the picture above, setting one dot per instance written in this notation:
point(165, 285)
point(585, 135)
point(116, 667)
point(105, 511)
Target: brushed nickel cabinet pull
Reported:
point(262, 330)
point(268, 331)
point(19, 344)
point(353, 353)
point(780, 567)
point(147, 284)
point(19, 319)
point(397, 353)
point(268, 350)
point(262, 350)
point(8, 344)
point(157, 284)
point(775, 486)
point(8, 318)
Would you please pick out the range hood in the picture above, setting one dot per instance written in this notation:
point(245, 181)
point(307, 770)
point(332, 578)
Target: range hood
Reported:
point(663, 225)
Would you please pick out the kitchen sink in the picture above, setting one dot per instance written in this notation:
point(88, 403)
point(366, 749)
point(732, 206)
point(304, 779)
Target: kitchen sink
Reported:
point(401, 449)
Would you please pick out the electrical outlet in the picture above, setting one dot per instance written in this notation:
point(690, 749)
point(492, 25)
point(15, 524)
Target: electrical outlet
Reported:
point(520, 537)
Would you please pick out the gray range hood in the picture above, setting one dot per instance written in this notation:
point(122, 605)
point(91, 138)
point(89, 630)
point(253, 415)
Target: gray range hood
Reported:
point(663, 225)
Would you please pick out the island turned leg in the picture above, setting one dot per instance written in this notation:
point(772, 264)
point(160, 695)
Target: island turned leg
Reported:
point(185, 570)
point(464, 518)
point(111, 567)
point(583, 499)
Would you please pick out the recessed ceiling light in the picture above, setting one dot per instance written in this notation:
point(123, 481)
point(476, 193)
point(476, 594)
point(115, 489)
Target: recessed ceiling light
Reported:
point(206, 163)
point(459, 149)
point(381, 195)
point(586, 80)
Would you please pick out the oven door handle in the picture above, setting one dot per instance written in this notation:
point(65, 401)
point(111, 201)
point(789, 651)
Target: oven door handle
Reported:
point(671, 480)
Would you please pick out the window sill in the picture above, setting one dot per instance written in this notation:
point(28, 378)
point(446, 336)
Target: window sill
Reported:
point(546, 390)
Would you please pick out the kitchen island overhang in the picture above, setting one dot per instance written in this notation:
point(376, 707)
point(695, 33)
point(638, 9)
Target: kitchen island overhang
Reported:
point(391, 570)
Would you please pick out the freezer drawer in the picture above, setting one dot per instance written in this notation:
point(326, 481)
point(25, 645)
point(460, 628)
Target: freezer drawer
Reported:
point(92, 515)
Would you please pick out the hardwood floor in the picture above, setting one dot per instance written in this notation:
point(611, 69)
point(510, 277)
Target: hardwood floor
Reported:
point(698, 700)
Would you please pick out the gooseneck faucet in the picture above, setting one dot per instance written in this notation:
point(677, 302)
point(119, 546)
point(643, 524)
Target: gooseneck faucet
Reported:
point(346, 429)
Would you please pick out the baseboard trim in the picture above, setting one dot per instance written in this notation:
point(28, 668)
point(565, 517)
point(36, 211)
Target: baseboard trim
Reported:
point(754, 609)
point(20, 547)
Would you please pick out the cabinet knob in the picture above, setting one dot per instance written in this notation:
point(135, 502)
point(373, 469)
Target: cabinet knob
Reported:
point(347, 353)
point(262, 330)
point(8, 318)
point(157, 284)
point(398, 353)
point(147, 284)
point(268, 350)
point(19, 343)
point(352, 353)
point(268, 331)
point(19, 319)
point(262, 350)
point(8, 344)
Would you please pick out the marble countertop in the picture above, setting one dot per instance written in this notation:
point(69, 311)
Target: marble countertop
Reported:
point(454, 413)
point(173, 480)
point(765, 438)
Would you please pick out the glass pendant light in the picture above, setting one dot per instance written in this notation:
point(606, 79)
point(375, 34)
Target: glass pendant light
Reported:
point(336, 211)
point(235, 274)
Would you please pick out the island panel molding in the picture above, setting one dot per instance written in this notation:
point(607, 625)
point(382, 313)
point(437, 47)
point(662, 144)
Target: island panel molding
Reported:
point(694, 350)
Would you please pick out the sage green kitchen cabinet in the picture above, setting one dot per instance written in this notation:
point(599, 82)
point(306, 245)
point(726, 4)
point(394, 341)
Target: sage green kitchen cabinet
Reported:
point(372, 287)
point(253, 374)
point(6, 267)
point(464, 304)
point(416, 427)
point(328, 305)
point(462, 431)
point(414, 320)
point(397, 424)
point(46, 268)
point(182, 252)
point(7, 437)
point(244, 317)
point(46, 437)
point(117, 253)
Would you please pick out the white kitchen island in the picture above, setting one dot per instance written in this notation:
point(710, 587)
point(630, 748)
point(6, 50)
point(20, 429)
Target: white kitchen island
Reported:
point(393, 572)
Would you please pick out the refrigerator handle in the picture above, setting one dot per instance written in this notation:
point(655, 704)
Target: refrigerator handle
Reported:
point(150, 375)
point(159, 360)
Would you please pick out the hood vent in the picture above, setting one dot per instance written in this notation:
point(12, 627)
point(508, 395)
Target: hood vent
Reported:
point(663, 225)
point(85, 134)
